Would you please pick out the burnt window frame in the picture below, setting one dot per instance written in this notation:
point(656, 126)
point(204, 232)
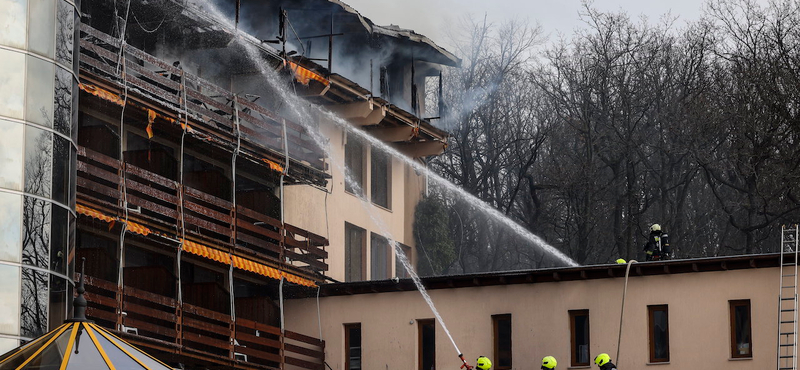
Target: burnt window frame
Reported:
point(573, 314)
point(374, 184)
point(353, 143)
point(651, 310)
point(379, 241)
point(347, 251)
point(496, 319)
point(732, 305)
point(347, 348)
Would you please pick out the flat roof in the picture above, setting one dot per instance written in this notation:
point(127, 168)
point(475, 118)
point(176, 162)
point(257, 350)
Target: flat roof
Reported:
point(548, 275)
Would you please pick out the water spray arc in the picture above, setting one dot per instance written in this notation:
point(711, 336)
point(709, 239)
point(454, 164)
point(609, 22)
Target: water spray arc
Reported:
point(305, 118)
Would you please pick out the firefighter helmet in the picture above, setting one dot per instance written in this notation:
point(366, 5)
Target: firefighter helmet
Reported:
point(621, 261)
point(483, 363)
point(602, 359)
point(549, 362)
point(655, 227)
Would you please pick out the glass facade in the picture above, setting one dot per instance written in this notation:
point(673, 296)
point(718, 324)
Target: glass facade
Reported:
point(38, 121)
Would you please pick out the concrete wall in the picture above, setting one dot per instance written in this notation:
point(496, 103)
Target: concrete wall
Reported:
point(306, 206)
point(699, 322)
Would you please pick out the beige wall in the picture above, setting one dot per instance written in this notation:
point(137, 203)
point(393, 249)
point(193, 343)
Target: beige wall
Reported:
point(698, 321)
point(305, 206)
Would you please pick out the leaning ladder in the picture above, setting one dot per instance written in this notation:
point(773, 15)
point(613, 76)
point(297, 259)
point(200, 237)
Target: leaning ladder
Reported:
point(787, 299)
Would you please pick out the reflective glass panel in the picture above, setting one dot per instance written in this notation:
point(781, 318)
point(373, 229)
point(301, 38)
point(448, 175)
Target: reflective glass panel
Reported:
point(59, 237)
point(9, 299)
point(62, 115)
point(141, 356)
point(58, 301)
point(51, 356)
point(11, 149)
point(65, 33)
point(36, 232)
point(7, 344)
point(39, 103)
point(13, 14)
point(74, 120)
point(61, 170)
point(12, 83)
point(10, 227)
point(41, 27)
point(90, 357)
point(33, 311)
point(38, 161)
point(73, 175)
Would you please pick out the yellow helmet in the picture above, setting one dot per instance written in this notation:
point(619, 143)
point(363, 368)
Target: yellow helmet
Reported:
point(549, 362)
point(483, 363)
point(655, 227)
point(621, 261)
point(602, 359)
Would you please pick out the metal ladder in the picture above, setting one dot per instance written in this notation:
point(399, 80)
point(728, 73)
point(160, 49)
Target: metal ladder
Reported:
point(787, 299)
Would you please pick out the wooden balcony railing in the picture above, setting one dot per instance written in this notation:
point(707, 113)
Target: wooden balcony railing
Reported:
point(185, 329)
point(168, 206)
point(211, 109)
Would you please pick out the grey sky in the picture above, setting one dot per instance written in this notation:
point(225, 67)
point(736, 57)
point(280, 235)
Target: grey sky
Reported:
point(433, 17)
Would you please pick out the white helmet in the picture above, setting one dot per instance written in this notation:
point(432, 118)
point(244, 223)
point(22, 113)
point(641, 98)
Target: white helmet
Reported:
point(655, 227)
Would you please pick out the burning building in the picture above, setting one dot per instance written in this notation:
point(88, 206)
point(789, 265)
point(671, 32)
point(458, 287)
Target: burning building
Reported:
point(154, 140)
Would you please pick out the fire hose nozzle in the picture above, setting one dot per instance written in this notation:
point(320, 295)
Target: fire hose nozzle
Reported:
point(465, 365)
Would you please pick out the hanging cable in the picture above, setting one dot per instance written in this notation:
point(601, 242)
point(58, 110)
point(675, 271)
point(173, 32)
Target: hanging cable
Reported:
point(319, 316)
point(280, 296)
point(622, 310)
point(182, 117)
point(123, 170)
point(233, 198)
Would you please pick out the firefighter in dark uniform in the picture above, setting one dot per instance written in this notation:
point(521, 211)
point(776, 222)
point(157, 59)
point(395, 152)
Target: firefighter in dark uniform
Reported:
point(657, 247)
point(604, 362)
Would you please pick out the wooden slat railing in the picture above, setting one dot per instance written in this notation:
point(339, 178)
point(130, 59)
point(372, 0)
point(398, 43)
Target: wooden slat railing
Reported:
point(200, 331)
point(214, 108)
point(155, 201)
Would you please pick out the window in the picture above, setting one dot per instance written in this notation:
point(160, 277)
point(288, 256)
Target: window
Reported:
point(502, 341)
point(427, 344)
point(399, 269)
point(354, 161)
point(658, 318)
point(579, 337)
point(380, 184)
point(741, 341)
point(354, 243)
point(380, 257)
point(352, 346)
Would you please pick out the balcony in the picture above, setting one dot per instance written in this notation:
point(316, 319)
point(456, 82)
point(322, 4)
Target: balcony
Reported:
point(186, 333)
point(172, 211)
point(205, 110)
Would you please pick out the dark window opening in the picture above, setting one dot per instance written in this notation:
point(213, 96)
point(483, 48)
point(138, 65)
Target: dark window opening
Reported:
point(355, 249)
point(427, 344)
point(96, 135)
point(502, 341)
point(380, 184)
point(579, 337)
point(204, 287)
point(354, 161)
point(741, 340)
point(400, 269)
point(352, 346)
point(206, 177)
point(151, 156)
point(380, 257)
point(658, 317)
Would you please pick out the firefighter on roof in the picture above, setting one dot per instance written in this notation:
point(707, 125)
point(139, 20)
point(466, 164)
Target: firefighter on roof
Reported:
point(603, 361)
point(657, 247)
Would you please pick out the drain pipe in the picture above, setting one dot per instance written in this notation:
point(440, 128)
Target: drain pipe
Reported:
point(622, 310)
point(285, 171)
point(280, 295)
